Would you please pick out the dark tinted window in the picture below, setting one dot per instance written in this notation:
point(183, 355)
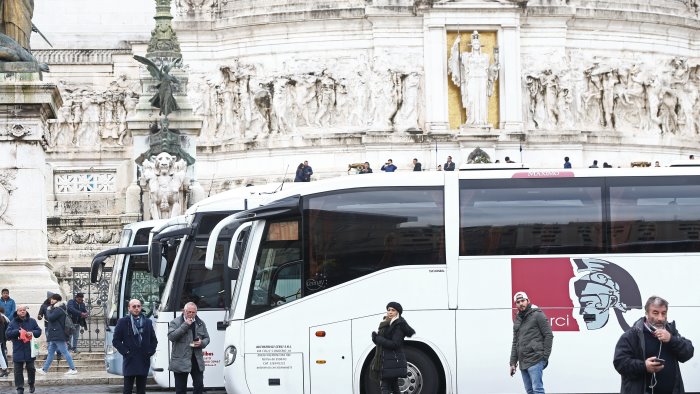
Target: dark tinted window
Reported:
point(277, 274)
point(530, 216)
point(202, 286)
point(356, 232)
point(655, 215)
point(142, 235)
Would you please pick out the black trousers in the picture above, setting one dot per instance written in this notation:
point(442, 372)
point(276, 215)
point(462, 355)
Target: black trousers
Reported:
point(140, 384)
point(19, 374)
point(390, 386)
point(197, 380)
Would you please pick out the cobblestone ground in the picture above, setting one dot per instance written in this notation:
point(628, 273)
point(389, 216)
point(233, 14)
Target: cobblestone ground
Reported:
point(94, 389)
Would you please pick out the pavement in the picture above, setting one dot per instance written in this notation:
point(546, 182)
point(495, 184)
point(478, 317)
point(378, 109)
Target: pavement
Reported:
point(87, 382)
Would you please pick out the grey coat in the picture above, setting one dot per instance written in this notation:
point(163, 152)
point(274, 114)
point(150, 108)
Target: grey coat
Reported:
point(532, 338)
point(180, 334)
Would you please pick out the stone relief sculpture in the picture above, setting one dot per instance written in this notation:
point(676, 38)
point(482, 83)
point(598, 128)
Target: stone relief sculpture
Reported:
point(91, 118)
point(58, 236)
point(191, 7)
point(245, 101)
point(612, 94)
point(167, 184)
point(475, 76)
point(7, 179)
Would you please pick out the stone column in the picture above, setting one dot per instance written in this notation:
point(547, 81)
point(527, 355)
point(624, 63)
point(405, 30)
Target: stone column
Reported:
point(26, 104)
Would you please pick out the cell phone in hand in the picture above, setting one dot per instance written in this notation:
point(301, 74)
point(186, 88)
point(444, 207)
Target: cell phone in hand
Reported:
point(196, 339)
point(660, 361)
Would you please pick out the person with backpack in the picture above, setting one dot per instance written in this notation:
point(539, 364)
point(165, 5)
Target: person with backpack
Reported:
point(78, 313)
point(59, 329)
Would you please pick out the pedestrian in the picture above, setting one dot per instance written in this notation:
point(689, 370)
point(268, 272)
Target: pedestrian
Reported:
point(606, 165)
point(389, 363)
point(4, 322)
point(299, 177)
point(647, 355)
point(656, 164)
point(308, 171)
point(691, 157)
point(135, 339)
point(532, 343)
point(417, 166)
point(78, 314)
point(439, 167)
point(56, 314)
point(8, 303)
point(389, 166)
point(449, 164)
point(366, 169)
point(21, 330)
point(567, 163)
point(508, 160)
point(189, 336)
point(594, 165)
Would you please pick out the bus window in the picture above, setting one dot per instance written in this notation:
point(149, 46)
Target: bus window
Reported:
point(356, 232)
point(141, 285)
point(531, 216)
point(274, 268)
point(653, 215)
point(202, 286)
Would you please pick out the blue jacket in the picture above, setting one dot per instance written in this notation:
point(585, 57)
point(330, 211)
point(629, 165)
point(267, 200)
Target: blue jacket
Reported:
point(9, 306)
point(21, 351)
point(388, 168)
point(56, 318)
point(75, 309)
point(137, 357)
point(308, 171)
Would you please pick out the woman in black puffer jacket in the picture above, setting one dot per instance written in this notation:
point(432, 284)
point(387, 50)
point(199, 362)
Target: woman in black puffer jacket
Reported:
point(389, 363)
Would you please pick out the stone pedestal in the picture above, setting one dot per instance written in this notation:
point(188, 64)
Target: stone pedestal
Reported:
point(26, 104)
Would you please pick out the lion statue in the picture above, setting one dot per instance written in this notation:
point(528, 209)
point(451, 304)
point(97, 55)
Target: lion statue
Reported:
point(166, 181)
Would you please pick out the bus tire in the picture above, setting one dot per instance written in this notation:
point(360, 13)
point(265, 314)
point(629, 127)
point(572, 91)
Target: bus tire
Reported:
point(422, 375)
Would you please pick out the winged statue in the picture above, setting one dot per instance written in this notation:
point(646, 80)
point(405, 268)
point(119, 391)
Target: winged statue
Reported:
point(164, 99)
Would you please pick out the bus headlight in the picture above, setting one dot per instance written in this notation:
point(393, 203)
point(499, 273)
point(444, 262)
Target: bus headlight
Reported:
point(230, 355)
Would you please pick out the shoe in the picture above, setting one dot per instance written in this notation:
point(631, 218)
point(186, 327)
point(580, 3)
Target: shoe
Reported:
point(41, 371)
point(72, 372)
point(32, 388)
point(4, 373)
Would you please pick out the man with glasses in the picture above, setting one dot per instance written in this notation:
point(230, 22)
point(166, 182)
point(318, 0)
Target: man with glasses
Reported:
point(135, 339)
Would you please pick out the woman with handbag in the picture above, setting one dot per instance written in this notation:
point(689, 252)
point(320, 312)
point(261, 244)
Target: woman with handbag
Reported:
point(389, 363)
point(56, 334)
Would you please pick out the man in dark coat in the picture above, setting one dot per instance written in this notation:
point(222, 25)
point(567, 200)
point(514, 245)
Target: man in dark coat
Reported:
point(648, 353)
point(449, 164)
point(532, 343)
point(135, 339)
point(78, 314)
point(21, 330)
point(308, 171)
point(189, 336)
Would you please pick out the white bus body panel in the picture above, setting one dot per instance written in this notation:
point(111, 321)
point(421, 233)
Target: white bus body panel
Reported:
point(161, 359)
point(330, 358)
point(485, 308)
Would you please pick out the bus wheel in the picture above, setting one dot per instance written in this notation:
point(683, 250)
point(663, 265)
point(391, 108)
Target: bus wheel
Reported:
point(422, 375)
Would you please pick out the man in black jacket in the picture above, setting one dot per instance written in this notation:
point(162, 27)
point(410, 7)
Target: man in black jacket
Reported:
point(647, 355)
point(532, 343)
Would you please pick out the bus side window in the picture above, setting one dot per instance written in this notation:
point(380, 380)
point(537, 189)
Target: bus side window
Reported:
point(352, 233)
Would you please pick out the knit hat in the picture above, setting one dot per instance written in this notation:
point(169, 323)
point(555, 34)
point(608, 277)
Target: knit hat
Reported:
point(520, 295)
point(396, 306)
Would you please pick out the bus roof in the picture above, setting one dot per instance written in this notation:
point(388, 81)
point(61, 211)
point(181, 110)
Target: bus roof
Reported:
point(145, 223)
point(234, 199)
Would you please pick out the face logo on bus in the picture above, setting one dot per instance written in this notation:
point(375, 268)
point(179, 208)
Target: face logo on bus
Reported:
point(577, 292)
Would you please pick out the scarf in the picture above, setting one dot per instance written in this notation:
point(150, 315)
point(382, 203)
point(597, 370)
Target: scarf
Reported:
point(376, 365)
point(137, 327)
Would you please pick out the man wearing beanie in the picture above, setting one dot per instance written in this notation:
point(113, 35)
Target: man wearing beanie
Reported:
point(532, 343)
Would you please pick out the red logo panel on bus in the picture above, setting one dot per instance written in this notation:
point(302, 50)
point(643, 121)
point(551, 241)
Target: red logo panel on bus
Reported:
point(576, 292)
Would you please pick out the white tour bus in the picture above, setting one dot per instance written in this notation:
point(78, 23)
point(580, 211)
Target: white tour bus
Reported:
point(588, 246)
point(189, 280)
point(129, 279)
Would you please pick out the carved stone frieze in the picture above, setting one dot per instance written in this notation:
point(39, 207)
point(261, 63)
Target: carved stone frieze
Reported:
point(78, 56)
point(192, 7)
point(628, 96)
point(59, 236)
point(17, 130)
point(78, 181)
point(309, 98)
point(91, 118)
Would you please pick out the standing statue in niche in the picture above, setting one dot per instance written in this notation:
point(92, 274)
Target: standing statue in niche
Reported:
point(475, 76)
point(164, 99)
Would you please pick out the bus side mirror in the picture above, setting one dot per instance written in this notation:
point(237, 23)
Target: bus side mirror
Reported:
point(98, 265)
point(155, 258)
point(214, 238)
